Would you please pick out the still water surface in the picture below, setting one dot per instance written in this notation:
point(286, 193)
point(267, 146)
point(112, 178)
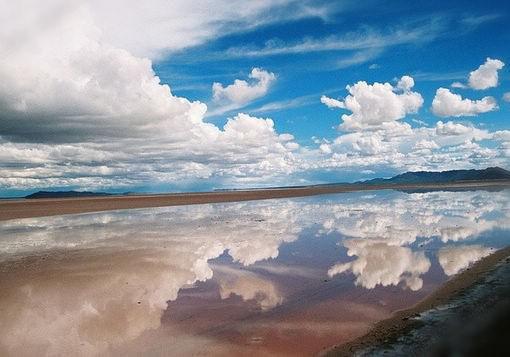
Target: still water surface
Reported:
point(272, 277)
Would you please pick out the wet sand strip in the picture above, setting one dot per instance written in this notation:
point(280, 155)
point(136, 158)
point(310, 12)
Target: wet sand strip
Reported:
point(386, 334)
point(25, 208)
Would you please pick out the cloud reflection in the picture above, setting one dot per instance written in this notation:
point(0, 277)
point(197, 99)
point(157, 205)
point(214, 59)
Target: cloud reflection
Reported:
point(383, 264)
point(249, 286)
point(106, 278)
point(455, 259)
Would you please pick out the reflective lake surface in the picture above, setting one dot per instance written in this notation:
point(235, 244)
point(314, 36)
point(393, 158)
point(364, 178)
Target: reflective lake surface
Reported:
point(272, 277)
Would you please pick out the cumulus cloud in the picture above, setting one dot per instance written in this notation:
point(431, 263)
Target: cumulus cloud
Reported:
point(397, 146)
point(78, 111)
point(241, 92)
point(81, 106)
point(406, 83)
point(456, 129)
point(448, 104)
point(486, 76)
point(506, 97)
point(372, 105)
point(325, 148)
point(246, 147)
point(379, 140)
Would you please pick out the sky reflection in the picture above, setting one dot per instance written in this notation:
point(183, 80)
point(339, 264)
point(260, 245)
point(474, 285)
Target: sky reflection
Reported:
point(247, 277)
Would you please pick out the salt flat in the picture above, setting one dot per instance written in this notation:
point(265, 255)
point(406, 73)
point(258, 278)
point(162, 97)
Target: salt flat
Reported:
point(290, 276)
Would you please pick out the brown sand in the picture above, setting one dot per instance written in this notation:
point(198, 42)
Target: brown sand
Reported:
point(402, 321)
point(13, 209)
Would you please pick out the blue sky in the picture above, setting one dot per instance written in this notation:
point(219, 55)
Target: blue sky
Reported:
point(461, 35)
point(81, 106)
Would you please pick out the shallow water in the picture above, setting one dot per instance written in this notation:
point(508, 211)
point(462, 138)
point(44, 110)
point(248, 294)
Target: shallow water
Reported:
point(272, 277)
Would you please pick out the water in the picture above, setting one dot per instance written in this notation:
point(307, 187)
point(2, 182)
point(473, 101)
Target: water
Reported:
point(272, 277)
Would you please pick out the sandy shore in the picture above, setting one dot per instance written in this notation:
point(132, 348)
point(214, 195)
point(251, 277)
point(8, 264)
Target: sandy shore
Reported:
point(460, 305)
point(13, 209)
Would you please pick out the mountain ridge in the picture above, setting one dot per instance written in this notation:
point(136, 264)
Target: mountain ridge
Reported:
point(410, 177)
point(417, 177)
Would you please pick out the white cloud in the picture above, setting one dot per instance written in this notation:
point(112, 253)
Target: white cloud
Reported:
point(451, 128)
point(331, 102)
point(372, 105)
point(406, 83)
point(286, 104)
point(358, 57)
point(81, 106)
point(426, 144)
point(486, 76)
point(458, 85)
point(77, 111)
point(241, 92)
point(171, 26)
point(475, 21)
point(325, 148)
point(502, 135)
point(506, 97)
point(448, 104)
point(364, 39)
point(398, 147)
point(66, 84)
point(247, 147)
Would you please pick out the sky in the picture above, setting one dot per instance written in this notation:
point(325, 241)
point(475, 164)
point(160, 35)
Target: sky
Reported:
point(161, 96)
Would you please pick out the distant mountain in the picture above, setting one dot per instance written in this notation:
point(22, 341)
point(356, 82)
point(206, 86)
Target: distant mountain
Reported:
point(491, 173)
point(65, 194)
point(419, 177)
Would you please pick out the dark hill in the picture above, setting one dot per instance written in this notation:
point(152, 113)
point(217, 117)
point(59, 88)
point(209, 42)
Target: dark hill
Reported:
point(491, 173)
point(65, 194)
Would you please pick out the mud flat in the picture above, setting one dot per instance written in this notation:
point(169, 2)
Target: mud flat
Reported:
point(467, 316)
point(25, 208)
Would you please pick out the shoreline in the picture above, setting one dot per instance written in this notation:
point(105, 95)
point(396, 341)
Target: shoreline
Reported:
point(30, 208)
point(403, 321)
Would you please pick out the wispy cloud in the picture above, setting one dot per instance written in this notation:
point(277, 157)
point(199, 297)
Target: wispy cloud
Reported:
point(438, 76)
point(475, 21)
point(359, 57)
point(276, 106)
point(170, 26)
point(271, 107)
point(363, 39)
point(286, 104)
